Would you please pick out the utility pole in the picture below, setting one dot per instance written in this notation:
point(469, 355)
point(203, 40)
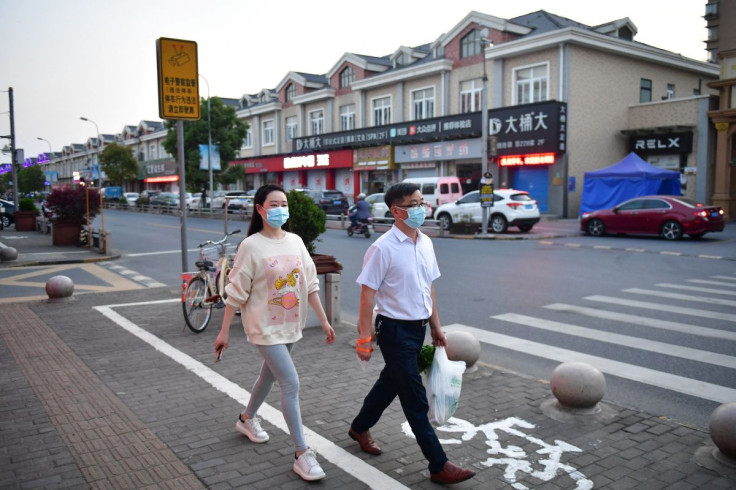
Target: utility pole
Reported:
point(13, 155)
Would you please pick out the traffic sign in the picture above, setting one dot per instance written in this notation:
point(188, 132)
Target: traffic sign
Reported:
point(178, 79)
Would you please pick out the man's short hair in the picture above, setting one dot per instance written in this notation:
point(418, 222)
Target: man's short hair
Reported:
point(395, 194)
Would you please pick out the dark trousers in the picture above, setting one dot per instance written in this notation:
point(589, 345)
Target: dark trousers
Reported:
point(400, 346)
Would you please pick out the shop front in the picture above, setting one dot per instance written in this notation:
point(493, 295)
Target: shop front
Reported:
point(317, 171)
point(162, 174)
point(668, 150)
point(374, 169)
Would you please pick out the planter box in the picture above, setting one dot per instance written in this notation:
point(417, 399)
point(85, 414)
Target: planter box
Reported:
point(25, 220)
point(65, 233)
point(326, 264)
point(464, 228)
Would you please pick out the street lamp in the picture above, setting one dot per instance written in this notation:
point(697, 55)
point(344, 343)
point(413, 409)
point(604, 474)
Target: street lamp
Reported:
point(47, 142)
point(209, 140)
point(483, 40)
point(99, 149)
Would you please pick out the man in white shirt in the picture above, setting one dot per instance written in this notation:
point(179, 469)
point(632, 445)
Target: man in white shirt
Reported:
point(398, 271)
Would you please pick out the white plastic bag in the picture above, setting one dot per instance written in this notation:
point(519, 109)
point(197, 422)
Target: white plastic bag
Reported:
point(443, 386)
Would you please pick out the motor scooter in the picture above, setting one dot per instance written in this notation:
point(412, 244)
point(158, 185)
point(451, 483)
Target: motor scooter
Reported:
point(364, 227)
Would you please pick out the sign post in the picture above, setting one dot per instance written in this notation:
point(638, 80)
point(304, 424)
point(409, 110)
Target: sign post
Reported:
point(178, 99)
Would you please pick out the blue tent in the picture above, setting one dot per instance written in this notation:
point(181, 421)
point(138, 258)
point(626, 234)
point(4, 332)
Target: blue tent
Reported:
point(631, 177)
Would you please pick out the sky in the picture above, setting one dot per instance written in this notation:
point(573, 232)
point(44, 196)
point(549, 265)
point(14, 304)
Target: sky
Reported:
point(67, 59)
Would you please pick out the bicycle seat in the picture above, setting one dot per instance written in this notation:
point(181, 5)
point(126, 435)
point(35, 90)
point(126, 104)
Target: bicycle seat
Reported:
point(204, 264)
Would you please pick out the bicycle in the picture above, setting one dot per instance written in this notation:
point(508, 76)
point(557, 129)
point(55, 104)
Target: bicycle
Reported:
point(205, 289)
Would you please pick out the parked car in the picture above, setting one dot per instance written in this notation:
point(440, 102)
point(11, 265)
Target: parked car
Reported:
point(7, 217)
point(131, 197)
point(378, 206)
point(667, 216)
point(217, 200)
point(437, 191)
point(165, 199)
point(236, 200)
point(510, 208)
point(331, 201)
point(192, 200)
point(149, 194)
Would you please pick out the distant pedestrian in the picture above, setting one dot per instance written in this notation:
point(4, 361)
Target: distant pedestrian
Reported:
point(397, 281)
point(272, 281)
point(203, 198)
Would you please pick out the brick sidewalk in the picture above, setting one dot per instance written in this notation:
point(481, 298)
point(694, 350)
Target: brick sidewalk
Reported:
point(87, 404)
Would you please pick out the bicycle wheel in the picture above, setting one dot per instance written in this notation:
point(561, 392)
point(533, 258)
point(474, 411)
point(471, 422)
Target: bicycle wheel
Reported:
point(196, 315)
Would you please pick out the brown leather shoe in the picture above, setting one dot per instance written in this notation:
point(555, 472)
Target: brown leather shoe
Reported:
point(452, 473)
point(367, 444)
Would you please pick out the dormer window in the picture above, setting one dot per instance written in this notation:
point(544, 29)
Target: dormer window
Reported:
point(347, 77)
point(290, 92)
point(470, 44)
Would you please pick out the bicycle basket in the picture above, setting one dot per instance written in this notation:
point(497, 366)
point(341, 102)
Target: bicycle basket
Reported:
point(209, 253)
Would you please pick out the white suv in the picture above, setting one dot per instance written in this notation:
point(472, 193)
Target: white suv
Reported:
point(510, 208)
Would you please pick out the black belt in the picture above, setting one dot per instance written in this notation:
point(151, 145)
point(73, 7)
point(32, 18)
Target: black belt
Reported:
point(408, 323)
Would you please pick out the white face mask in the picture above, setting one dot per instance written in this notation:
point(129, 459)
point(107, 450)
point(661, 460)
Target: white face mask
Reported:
point(276, 217)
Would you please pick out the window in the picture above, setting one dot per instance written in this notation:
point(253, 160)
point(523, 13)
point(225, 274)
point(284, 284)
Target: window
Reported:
point(268, 132)
point(317, 122)
point(645, 90)
point(711, 9)
point(290, 92)
point(713, 33)
point(347, 117)
point(470, 44)
point(423, 103)
point(670, 90)
point(291, 128)
point(471, 92)
point(382, 111)
point(152, 151)
point(531, 84)
point(347, 77)
point(248, 140)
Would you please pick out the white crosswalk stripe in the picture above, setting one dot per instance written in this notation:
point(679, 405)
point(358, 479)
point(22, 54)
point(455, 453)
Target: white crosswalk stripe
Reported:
point(581, 324)
point(645, 321)
point(648, 376)
point(622, 340)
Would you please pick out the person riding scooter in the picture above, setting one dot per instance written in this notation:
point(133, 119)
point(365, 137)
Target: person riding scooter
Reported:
point(362, 210)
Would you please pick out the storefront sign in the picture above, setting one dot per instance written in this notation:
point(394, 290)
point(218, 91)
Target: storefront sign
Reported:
point(160, 168)
point(440, 150)
point(281, 163)
point(530, 128)
point(529, 159)
point(373, 158)
point(307, 161)
point(661, 143)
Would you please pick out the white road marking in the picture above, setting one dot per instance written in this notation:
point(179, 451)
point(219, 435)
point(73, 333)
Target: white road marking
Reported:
point(712, 283)
point(163, 252)
point(696, 288)
point(660, 307)
point(682, 297)
point(623, 340)
point(645, 321)
point(348, 463)
point(679, 384)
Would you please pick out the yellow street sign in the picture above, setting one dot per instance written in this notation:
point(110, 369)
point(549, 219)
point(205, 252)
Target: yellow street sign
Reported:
point(178, 79)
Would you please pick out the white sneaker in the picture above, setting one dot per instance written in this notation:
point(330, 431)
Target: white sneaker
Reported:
point(307, 466)
point(251, 428)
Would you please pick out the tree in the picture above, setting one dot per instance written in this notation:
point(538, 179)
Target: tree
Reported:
point(30, 179)
point(228, 132)
point(118, 162)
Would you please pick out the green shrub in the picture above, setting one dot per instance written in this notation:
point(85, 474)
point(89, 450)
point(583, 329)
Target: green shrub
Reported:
point(306, 219)
point(26, 204)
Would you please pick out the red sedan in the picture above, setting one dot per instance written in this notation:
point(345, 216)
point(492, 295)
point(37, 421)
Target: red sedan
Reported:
point(666, 216)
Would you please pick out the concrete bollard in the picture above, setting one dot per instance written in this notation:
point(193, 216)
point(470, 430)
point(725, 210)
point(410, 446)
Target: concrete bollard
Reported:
point(7, 254)
point(723, 429)
point(577, 385)
point(59, 288)
point(463, 346)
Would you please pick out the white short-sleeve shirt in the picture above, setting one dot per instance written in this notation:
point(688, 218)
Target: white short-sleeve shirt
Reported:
point(401, 272)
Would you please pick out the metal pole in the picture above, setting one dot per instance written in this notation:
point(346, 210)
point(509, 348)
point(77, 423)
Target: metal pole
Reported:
point(182, 188)
point(209, 140)
point(13, 156)
point(484, 132)
point(99, 149)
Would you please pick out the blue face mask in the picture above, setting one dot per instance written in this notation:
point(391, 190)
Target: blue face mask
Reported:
point(276, 217)
point(415, 217)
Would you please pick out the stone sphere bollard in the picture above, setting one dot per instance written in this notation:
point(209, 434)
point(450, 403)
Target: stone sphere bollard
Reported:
point(723, 429)
point(463, 346)
point(59, 287)
point(577, 385)
point(8, 253)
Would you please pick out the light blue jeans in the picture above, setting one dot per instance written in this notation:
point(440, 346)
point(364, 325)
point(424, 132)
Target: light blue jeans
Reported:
point(278, 366)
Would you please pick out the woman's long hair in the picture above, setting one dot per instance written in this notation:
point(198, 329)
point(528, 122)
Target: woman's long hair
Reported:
point(256, 222)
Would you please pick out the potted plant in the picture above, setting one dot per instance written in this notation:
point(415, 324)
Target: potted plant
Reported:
point(72, 206)
point(307, 220)
point(25, 216)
